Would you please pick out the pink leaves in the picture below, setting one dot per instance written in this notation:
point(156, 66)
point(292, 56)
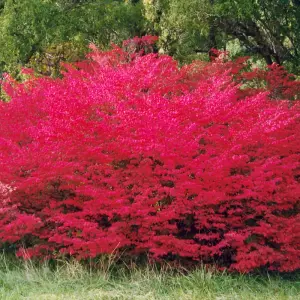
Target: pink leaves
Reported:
point(16, 229)
point(130, 153)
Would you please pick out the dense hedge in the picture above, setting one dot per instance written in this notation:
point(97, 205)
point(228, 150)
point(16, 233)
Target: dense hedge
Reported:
point(129, 153)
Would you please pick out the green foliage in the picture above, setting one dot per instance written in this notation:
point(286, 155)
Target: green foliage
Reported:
point(28, 28)
point(183, 26)
point(265, 29)
point(268, 30)
point(25, 27)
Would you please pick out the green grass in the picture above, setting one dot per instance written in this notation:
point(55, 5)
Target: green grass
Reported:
point(72, 280)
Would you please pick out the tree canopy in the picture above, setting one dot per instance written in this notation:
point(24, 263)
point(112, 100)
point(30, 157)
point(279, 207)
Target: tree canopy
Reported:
point(269, 29)
point(34, 32)
point(28, 28)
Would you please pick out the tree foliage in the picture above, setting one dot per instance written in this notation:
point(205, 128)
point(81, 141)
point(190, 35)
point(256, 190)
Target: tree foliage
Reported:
point(31, 29)
point(269, 29)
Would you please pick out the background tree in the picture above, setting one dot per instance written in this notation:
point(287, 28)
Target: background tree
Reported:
point(266, 29)
point(31, 30)
point(41, 33)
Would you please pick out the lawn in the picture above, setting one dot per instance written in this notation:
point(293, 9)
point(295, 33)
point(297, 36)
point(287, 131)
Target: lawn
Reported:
point(73, 280)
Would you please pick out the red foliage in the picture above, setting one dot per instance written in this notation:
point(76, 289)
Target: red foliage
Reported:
point(140, 156)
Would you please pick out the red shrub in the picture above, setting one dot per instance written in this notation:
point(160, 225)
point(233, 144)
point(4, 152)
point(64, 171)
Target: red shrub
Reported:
point(143, 157)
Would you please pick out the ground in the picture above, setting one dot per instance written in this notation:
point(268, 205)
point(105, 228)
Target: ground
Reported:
point(73, 280)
